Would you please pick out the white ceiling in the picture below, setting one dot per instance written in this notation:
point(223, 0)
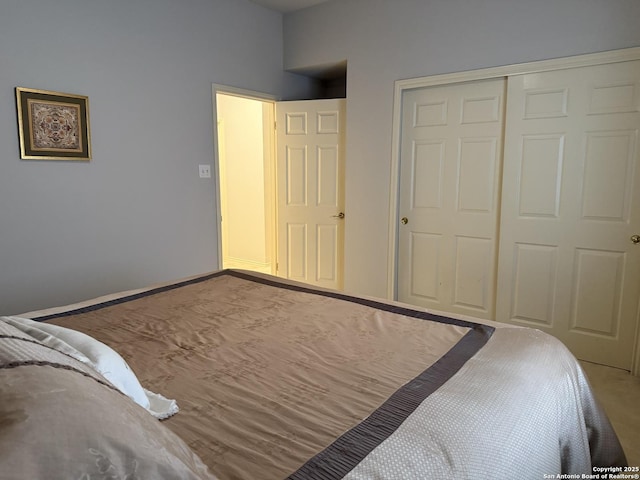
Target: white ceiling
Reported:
point(286, 6)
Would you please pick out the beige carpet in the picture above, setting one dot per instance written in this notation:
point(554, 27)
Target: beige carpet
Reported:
point(619, 393)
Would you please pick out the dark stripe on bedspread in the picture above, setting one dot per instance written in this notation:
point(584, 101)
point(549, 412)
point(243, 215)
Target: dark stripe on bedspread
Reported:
point(351, 448)
point(118, 301)
point(274, 283)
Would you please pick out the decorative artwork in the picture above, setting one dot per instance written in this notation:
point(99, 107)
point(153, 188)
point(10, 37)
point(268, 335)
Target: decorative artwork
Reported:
point(53, 125)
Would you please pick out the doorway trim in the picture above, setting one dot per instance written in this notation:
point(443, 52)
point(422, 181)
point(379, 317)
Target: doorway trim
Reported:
point(269, 144)
point(591, 59)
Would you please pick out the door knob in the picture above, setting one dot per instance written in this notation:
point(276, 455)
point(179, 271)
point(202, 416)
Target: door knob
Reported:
point(340, 215)
point(404, 220)
point(635, 239)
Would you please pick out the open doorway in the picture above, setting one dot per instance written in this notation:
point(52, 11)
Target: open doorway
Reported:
point(245, 148)
point(257, 189)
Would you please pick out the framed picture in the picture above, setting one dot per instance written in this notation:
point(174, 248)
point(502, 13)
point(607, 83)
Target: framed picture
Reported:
point(53, 125)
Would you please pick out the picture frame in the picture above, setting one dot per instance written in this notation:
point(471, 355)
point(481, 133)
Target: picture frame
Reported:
point(53, 125)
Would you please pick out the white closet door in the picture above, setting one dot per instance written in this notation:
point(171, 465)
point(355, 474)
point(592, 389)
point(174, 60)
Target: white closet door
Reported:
point(570, 206)
point(449, 196)
point(310, 177)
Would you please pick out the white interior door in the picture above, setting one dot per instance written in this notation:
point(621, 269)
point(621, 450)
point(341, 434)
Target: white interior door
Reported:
point(450, 165)
point(310, 176)
point(571, 203)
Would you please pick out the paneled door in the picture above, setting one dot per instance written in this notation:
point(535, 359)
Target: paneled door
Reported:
point(569, 255)
point(310, 175)
point(450, 165)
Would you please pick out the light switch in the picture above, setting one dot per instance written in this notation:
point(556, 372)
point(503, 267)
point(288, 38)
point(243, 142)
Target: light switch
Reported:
point(205, 171)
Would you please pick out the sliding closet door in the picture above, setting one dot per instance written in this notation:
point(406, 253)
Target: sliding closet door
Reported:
point(449, 190)
point(571, 207)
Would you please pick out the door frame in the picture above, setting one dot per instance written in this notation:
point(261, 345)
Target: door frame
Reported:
point(269, 145)
point(602, 58)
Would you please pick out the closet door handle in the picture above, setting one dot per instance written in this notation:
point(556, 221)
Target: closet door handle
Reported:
point(635, 239)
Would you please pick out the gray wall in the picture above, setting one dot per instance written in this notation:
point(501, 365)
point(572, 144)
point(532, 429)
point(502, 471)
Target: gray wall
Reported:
point(137, 213)
point(387, 40)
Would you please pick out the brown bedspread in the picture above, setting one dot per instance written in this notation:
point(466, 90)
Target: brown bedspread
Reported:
point(307, 366)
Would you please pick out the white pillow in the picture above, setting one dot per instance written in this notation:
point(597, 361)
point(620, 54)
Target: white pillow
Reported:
point(100, 357)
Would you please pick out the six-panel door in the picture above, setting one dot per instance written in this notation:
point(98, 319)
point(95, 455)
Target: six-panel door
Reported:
point(310, 176)
point(571, 203)
point(449, 186)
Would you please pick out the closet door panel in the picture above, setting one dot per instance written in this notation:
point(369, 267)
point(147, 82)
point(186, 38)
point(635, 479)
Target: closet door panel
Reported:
point(449, 195)
point(570, 206)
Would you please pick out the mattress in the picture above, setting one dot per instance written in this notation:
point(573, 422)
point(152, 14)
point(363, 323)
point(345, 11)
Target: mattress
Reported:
point(280, 380)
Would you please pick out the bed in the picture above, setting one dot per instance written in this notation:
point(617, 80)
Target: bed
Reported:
point(273, 379)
